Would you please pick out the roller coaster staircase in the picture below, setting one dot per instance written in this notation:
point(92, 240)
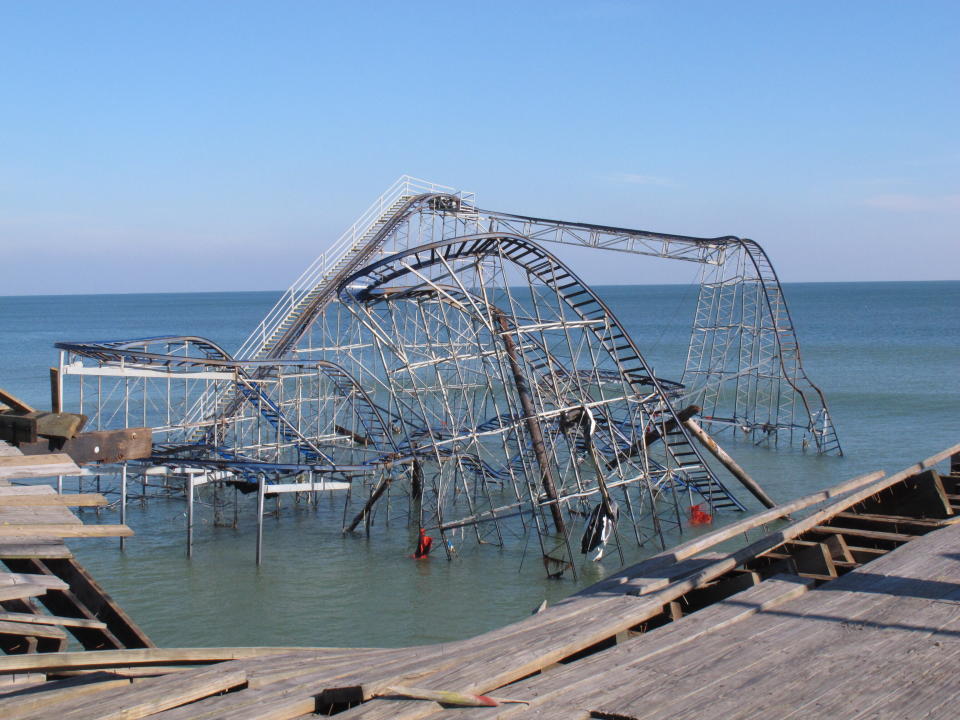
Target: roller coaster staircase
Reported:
point(306, 299)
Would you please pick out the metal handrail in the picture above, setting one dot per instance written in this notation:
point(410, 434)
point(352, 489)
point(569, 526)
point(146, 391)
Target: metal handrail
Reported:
point(315, 272)
point(405, 185)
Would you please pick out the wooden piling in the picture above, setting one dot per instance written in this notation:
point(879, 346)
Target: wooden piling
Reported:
point(533, 426)
point(728, 462)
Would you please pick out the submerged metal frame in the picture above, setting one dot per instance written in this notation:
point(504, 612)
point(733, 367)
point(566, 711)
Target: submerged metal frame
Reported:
point(315, 389)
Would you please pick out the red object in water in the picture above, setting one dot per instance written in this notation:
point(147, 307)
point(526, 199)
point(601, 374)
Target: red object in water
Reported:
point(699, 517)
point(424, 543)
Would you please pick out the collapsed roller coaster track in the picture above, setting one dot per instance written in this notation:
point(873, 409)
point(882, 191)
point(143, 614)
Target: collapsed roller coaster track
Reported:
point(441, 348)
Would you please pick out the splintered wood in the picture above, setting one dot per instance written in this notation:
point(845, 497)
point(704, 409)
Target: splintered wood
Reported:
point(850, 612)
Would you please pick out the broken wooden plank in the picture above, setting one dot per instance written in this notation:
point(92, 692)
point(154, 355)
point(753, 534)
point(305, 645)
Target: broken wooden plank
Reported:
point(31, 630)
point(849, 532)
point(558, 688)
point(88, 594)
point(51, 620)
point(699, 544)
point(15, 403)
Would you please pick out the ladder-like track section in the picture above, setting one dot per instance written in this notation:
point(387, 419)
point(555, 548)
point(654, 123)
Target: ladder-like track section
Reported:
point(584, 303)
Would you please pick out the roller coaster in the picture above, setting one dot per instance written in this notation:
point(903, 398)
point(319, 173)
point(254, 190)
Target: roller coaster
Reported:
point(443, 353)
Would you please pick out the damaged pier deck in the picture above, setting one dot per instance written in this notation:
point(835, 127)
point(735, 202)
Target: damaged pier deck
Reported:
point(852, 611)
point(45, 594)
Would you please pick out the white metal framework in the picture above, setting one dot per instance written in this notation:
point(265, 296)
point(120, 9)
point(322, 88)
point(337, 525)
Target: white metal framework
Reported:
point(441, 352)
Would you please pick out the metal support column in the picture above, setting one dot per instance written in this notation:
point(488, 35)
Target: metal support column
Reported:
point(123, 502)
point(261, 483)
point(189, 515)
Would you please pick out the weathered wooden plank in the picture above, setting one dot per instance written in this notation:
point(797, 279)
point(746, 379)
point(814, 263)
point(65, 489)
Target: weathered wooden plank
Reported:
point(543, 690)
point(18, 428)
point(861, 533)
point(697, 545)
point(7, 450)
point(33, 547)
point(149, 656)
point(922, 523)
point(30, 630)
point(153, 695)
point(60, 424)
point(872, 601)
point(14, 403)
point(40, 495)
point(496, 670)
point(24, 427)
point(26, 466)
point(90, 597)
point(101, 446)
point(51, 620)
point(33, 515)
point(64, 531)
point(20, 591)
point(298, 695)
point(56, 694)
point(10, 684)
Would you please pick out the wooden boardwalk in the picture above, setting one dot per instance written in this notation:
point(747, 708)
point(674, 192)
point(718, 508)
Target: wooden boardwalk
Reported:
point(852, 611)
point(46, 596)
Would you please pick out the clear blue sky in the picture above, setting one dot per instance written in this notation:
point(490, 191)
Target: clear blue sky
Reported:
point(166, 146)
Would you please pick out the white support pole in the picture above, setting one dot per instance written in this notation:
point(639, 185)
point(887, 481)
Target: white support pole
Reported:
point(189, 514)
point(59, 404)
point(260, 493)
point(123, 503)
point(59, 484)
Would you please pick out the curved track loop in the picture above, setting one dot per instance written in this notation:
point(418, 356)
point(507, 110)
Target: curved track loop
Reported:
point(743, 362)
point(755, 328)
point(586, 306)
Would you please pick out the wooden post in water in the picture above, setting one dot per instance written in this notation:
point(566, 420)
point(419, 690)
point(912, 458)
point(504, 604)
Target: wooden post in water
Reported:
point(261, 482)
point(533, 425)
point(189, 514)
point(123, 503)
point(728, 462)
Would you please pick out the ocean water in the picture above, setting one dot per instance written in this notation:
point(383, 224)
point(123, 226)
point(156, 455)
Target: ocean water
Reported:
point(887, 355)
